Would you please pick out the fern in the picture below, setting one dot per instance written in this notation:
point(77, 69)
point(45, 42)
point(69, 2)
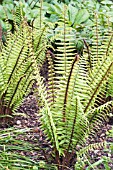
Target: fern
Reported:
point(74, 104)
point(16, 65)
point(15, 71)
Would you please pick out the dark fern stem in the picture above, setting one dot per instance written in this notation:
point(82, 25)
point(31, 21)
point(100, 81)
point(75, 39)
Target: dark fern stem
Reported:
point(67, 87)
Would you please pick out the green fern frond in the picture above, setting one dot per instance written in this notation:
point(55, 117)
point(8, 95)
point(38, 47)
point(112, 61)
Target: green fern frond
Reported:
point(47, 121)
point(94, 146)
point(69, 114)
point(97, 40)
point(40, 42)
point(63, 60)
point(73, 130)
point(76, 125)
point(18, 17)
point(16, 69)
point(97, 116)
point(51, 78)
point(110, 86)
point(97, 81)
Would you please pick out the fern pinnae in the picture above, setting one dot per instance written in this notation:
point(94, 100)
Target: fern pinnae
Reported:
point(15, 64)
point(97, 50)
point(72, 130)
point(25, 88)
point(97, 87)
point(79, 125)
point(109, 44)
point(97, 110)
point(85, 150)
point(18, 66)
point(30, 83)
point(65, 68)
point(15, 90)
point(67, 87)
point(80, 88)
point(12, 69)
point(40, 37)
point(18, 17)
point(11, 50)
point(48, 112)
point(51, 78)
point(39, 58)
point(97, 116)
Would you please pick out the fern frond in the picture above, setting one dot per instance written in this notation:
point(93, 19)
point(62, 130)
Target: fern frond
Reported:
point(63, 61)
point(110, 86)
point(97, 116)
point(18, 17)
point(51, 78)
point(77, 125)
point(73, 130)
point(97, 82)
point(47, 121)
point(94, 146)
point(96, 43)
point(40, 42)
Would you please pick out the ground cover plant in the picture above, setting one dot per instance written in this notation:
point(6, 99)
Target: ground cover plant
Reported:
point(72, 104)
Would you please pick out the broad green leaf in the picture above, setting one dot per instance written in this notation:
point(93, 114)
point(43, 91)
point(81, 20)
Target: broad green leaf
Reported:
point(72, 12)
point(53, 9)
point(54, 18)
point(2, 13)
point(107, 2)
point(81, 17)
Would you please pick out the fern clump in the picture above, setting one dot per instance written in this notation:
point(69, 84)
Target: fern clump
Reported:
point(16, 65)
point(15, 70)
point(74, 103)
